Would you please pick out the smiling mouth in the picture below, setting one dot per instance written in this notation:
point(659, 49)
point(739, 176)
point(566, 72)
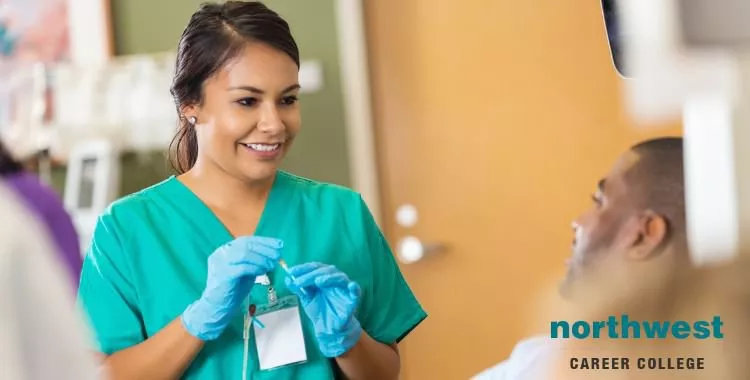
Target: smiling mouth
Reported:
point(266, 148)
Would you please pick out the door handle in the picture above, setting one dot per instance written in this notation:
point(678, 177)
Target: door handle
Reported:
point(411, 249)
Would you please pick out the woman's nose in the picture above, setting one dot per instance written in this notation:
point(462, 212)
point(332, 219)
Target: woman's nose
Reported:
point(270, 120)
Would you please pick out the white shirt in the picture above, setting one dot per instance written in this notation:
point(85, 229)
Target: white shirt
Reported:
point(531, 359)
point(43, 336)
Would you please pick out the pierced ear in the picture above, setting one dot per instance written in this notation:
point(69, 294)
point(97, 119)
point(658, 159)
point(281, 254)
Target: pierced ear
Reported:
point(190, 114)
point(652, 233)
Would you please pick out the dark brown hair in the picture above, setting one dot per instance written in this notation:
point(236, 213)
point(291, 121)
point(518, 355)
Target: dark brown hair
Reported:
point(215, 34)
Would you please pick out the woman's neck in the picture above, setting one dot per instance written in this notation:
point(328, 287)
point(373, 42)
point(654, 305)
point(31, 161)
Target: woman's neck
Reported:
point(220, 189)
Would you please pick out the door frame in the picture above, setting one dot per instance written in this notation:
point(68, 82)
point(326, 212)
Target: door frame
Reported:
point(358, 116)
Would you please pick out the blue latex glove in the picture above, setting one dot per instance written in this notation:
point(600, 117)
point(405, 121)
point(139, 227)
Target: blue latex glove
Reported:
point(330, 301)
point(232, 269)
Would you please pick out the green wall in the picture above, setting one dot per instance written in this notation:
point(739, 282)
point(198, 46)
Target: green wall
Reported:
point(319, 152)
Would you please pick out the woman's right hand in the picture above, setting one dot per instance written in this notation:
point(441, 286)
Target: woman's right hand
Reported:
point(232, 270)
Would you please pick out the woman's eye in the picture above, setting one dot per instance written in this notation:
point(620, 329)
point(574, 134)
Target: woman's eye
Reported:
point(289, 100)
point(247, 102)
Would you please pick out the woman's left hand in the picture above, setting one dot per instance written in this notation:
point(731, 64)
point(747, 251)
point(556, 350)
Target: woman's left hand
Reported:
point(330, 300)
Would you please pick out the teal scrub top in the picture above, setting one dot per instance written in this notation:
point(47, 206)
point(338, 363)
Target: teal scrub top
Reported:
point(148, 262)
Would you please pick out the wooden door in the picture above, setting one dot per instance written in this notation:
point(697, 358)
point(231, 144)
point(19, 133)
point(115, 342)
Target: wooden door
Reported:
point(495, 119)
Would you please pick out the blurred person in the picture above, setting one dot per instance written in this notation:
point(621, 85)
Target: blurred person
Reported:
point(177, 272)
point(42, 336)
point(35, 31)
point(8, 36)
point(48, 206)
point(47, 38)
point(636, 225)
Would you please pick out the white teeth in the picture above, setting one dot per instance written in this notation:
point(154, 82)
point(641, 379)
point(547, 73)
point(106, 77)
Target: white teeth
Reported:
point(263, 147)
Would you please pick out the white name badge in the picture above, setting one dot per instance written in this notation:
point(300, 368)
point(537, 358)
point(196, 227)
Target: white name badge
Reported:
point(280, 341)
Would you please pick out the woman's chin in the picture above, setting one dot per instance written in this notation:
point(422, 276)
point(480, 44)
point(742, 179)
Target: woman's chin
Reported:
point(260, 173)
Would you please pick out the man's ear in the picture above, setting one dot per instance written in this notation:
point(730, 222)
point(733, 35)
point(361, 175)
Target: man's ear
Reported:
point(650, 232)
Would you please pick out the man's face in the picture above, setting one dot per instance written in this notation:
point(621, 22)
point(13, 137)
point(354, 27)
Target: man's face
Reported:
point(598, 231)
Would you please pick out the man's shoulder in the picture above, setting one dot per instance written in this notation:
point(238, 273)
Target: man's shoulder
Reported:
point(527, 361)
point(532, 345)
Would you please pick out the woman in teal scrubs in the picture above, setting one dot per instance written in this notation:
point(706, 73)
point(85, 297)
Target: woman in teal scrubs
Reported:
point(183, 278)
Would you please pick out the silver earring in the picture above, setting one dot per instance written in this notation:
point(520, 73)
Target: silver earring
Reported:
point(192, 120)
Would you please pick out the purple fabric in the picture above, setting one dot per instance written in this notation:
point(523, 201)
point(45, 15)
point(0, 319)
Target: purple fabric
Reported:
point(48, 207)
